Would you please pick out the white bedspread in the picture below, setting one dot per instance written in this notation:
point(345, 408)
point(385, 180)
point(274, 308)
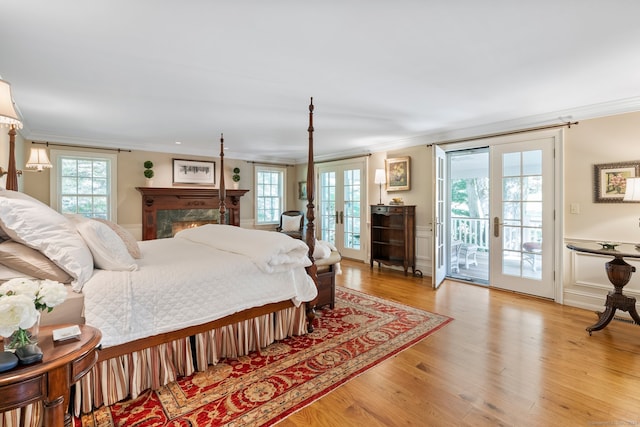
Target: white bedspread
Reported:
point(268, 250)
point(181, 282)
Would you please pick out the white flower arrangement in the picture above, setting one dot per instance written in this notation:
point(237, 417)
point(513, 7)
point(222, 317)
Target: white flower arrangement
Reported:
point(20, 303)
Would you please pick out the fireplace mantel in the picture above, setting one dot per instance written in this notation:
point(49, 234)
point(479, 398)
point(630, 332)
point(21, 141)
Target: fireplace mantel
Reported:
point(155, 199)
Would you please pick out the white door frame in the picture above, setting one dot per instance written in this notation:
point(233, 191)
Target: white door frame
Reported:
point(339, 167)
point(440, 218)
point(558, 135)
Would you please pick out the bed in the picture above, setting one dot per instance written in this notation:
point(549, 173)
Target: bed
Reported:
point(161, 316)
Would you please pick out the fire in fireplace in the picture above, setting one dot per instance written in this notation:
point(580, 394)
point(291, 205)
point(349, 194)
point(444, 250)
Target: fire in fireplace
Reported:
point(182, 225)
point(170, 221)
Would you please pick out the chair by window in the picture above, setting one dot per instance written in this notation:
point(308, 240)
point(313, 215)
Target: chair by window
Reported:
point(531, 252)
point(468, 255)
point(456, 245)
point(291, 223)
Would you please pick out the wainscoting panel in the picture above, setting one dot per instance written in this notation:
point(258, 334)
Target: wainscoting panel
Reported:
point(424, 246)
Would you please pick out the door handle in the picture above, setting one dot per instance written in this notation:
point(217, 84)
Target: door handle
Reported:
point(341, 217)
point(337, 218)
point(496, 226)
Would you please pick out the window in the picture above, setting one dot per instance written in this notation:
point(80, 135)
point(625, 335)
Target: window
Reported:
point(84, 183)
point(269, 194)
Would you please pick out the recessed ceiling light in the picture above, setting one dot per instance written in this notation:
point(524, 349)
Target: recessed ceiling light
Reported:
point(178, 142)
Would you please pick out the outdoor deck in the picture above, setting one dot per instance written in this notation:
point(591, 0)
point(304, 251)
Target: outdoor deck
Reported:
point(480, 273)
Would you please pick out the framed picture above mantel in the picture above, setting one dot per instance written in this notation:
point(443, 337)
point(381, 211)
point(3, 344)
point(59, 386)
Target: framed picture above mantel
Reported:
point(194, 172)
point(610, 180)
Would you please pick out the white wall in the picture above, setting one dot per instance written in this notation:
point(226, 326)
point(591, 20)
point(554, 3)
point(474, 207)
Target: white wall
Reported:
point(605, 140)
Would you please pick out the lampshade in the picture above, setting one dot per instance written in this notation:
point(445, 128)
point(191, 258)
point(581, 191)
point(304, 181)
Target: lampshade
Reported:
point(379, 177)
point(38, 159)
point(8, 114)
point(632, 193)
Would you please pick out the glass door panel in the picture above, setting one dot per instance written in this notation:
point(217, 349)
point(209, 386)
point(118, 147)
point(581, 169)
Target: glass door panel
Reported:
point(352, 209)
point(522, 213)
point(340, 205)
point(328, 209)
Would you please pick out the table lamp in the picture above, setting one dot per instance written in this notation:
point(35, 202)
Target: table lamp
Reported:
point(379, 179)
point(632, 192)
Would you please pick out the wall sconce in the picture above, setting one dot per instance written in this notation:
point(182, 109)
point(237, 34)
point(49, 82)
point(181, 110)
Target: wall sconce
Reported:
point(9, 118)
point(38, 160)
point(379, 179)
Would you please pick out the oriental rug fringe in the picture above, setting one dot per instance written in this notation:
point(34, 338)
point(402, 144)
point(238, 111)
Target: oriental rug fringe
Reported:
point(262, 389)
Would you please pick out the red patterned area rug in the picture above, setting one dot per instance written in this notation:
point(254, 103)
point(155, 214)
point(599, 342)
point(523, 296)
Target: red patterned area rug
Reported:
point(262, 389)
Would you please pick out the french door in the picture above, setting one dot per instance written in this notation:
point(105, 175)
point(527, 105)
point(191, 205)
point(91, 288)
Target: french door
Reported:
point(342, 206)
point(512, 245)
point(440, 218)
point(522, 217)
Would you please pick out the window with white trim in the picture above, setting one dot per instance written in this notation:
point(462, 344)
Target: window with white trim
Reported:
point(84, 183)
point(269, 193)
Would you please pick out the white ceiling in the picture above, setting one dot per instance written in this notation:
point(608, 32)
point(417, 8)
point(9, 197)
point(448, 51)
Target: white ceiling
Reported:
point(143, 74)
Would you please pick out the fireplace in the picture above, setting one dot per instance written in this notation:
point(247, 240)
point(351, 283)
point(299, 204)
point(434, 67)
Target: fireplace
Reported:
point(162, 207)
point(183, 225)
point(170, 221)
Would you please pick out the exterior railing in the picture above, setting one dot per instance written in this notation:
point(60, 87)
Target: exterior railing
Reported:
point(473, 231)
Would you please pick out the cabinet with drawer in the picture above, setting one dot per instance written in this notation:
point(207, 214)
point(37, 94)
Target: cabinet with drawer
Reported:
point(393, 230)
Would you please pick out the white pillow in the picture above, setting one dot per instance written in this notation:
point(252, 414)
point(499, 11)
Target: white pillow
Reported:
point(321, 250)
point(291, 223)
point(108, 249)
point(15, 195)
point(10, 194)
point(7, 273)
point(31, 262)
point(128, 239)
point(34, 224)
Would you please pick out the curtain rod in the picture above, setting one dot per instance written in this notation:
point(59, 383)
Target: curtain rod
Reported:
point(315, 162)
point(79, 146)
point(513, 132)
point(269, 164)
point(342, 158)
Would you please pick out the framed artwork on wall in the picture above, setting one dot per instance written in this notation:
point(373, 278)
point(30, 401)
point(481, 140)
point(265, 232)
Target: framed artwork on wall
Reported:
point(398, 173)
point(194, 172)
point(302, 190)
point(610, 180)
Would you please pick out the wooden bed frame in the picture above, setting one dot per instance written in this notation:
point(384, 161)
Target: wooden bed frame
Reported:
point(129, 347)
point(118, 352)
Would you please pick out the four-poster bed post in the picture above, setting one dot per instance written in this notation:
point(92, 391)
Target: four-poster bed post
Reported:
point(12, 173)
point(310, 237)
point(223, 191)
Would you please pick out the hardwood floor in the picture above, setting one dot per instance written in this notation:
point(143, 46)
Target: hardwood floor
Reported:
point(505, 360)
